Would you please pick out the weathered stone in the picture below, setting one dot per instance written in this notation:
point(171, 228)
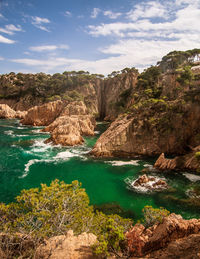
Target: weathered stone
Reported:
point(6, 112)
point(43, 115)
point(172, 233)
point(67, 247)
point(71, 125)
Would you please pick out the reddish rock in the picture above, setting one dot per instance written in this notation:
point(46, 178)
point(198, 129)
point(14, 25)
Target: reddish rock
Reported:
point(187, 162)
point(171, 232)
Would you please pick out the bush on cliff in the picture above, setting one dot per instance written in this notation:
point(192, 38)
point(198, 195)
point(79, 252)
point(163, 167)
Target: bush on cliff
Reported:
point(154, 215)
point(52, 210)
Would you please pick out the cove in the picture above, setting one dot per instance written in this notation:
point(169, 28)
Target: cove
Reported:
point(26, 162)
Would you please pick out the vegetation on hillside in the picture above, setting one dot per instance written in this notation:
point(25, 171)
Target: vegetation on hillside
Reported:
point(48, 211)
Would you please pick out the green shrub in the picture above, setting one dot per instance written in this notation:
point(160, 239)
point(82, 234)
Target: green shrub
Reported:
point(52, 210)
point(197, 155)
point(152, 215)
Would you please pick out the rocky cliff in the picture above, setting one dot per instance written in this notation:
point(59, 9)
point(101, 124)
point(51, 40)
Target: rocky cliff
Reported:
point(173, 238)
point(161, 115)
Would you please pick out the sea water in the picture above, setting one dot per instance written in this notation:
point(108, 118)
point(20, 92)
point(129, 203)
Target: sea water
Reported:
point(26, 162)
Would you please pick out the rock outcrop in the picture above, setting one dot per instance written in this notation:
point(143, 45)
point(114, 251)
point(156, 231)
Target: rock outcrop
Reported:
point(173, 232)
point(43, 115)
point(151, 130)
point(67, 247)
point(149, 183)
point(187, 162)
point(8, 113)
point(73, 123)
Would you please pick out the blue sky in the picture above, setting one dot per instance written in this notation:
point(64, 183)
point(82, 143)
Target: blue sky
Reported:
point(98, 36)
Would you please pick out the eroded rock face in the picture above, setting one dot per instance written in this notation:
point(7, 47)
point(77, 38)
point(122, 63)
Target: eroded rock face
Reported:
point(43, 115)
point(150, 132)
point(6, 112)
point(142, 241)
point(186, 162)
point(67, 247)
point(73, 123)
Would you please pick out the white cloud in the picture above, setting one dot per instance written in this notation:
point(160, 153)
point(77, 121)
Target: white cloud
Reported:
point(147, 10)
point(1, 58)
point(48, 47)
point(39, 22)
point(68, 13)
point(6, 40)
point(1, 15)
point(11, 29)
point(111, 14)
point(95, 13)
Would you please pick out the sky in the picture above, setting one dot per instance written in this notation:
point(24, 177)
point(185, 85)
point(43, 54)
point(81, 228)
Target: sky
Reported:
point(99, 36)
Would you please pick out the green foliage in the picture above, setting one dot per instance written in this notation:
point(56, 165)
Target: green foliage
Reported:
point(175, 59)
point(53, 210)
point(186, 76)
point(149, 82)
point(197, 155)
point(152, 215)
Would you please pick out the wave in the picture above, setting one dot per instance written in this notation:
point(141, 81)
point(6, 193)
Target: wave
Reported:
point(32, 162)
point(192, 177)
point(122, 163)
point(65, 155)
point(9, 132)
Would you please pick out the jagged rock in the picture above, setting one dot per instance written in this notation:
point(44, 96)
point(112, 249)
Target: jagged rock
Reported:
point(43, 115)
point(187, 162)
point(67, 247)
point(149, 183)
point(187, 248)
point(71, 125)
point(143, 241)
point(6, 112)
point(21, 114)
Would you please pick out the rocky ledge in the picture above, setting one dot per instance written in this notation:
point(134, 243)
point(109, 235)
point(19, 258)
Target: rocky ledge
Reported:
point(67, 247)
point(172, 238)
point(190, 161)
point(8, 113)
point(44, 114)
point(149, 184)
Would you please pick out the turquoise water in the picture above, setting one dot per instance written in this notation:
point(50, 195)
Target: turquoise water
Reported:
point(25, 162)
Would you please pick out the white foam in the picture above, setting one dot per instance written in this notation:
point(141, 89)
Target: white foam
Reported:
point(122, 163)
point(147, 165)
point(65, 155)
point(39, 146)
point(144, 189)
point(192, 177)
point(30, 163)
point(9, 132)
